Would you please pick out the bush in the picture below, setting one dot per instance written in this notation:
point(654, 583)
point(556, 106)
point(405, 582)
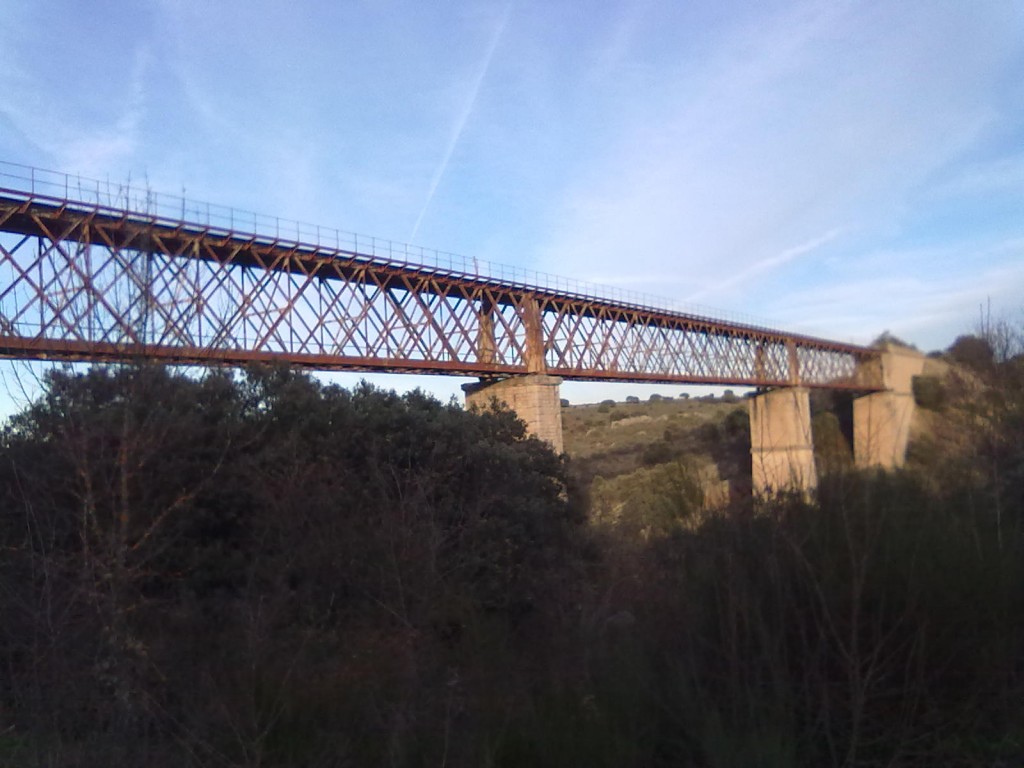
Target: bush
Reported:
point(929, 392)
point(973, 352)
point(709, 433)
point(262, 557)
point(886, 339)
point(778, 614)
point(632, 399)
point(657, 452)
point(832, 452)
point(737, 424)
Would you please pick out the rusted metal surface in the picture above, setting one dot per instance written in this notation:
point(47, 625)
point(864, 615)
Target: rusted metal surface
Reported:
point(85, 281)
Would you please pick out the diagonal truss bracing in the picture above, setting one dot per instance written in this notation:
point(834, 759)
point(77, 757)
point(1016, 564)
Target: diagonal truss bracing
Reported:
point(81, 281)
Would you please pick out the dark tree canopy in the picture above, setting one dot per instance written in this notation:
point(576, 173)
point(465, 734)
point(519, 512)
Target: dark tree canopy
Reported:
point(973, 352)
point(258, 570)
point(183, 529)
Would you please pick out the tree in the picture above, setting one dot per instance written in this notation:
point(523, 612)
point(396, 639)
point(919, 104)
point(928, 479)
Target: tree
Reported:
point(973, 352)
point(1004, 339)
point(221, 562)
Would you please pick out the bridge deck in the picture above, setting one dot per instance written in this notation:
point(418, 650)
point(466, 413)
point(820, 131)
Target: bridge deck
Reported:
point(84, 281)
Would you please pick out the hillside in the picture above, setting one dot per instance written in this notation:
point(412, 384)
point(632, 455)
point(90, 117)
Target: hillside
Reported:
point(625, 451)
point(618, 449)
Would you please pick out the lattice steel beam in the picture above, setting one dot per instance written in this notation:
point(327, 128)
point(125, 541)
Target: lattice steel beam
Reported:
point(82, 281)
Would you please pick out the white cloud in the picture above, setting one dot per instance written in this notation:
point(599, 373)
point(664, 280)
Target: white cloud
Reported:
point(92, 147)
point(928, 303)
point(802, 122)
point(95, 151)
point(769, 263)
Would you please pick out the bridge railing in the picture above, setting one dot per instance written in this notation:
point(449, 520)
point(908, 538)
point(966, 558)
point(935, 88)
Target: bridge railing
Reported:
point(132, 200)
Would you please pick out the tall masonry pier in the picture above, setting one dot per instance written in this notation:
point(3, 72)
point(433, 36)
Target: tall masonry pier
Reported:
point(881, 420)
point(781, 441)
point(781, 445)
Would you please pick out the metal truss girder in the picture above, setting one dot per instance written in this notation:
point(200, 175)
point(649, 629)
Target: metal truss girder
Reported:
point(83, 283)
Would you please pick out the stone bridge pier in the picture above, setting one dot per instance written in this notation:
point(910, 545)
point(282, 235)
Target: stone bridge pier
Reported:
point(781, 444)
point(534, 398)
point(881, 421)
point(781, 441)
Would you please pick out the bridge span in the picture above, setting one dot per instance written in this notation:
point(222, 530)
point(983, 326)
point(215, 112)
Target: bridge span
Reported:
point(94, 273)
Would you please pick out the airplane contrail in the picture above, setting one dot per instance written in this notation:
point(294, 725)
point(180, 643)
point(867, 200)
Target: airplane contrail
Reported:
point(770, 262)
point(460, 124)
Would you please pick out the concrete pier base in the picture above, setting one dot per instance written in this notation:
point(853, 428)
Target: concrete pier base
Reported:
point(781, 445)
point(881, 421)
point(535, 399)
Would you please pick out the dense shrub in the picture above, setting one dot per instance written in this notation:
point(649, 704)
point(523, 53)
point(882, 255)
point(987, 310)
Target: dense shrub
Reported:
point(270, 571)
point(263, 571)
point(973, 352)
point(929, 392)
point(657, 452)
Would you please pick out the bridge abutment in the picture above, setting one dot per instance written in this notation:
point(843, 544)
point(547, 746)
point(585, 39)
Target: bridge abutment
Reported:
point(881, 420)
point(781, 445)
point(534, 398)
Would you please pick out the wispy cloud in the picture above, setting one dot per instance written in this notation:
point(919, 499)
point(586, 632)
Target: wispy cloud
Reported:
point(924, 300)
point(793, 159)
point(461, 119)
point(94, 147)
point(96, 151)
point(797, 123)
point(769, 263)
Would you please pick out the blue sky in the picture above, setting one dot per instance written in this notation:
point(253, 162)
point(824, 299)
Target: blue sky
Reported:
point(835, 168)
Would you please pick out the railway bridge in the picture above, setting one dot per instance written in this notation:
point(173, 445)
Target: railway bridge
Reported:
point(91, 271)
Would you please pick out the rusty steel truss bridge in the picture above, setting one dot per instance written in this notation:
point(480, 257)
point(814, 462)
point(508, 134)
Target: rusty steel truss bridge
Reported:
point(95, 272)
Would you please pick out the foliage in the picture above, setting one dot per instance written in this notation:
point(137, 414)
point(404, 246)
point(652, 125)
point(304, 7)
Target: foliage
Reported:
point(888, 339)
point(265, 571)
point(973, 352)
point(209, 562)
point(832, 451)
point(929, 392)
point(653, 501)
point(658, 452)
